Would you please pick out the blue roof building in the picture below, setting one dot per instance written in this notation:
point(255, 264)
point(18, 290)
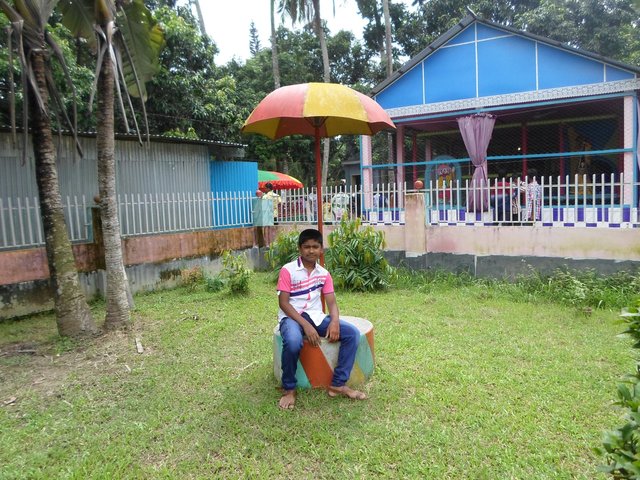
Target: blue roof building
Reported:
point(560, 111)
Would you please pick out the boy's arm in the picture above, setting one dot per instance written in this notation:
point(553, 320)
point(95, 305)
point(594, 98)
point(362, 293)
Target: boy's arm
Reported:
point(292, 313)
point(333, 332)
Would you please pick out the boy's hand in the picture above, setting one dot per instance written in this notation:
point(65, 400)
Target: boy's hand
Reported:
point(333, 332)
point(312, 336)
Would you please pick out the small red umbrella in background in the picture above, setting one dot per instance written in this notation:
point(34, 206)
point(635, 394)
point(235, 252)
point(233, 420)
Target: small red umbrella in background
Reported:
point(279, 181)
point(318, 109)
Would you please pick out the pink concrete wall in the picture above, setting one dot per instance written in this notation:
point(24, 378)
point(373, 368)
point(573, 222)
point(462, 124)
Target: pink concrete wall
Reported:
point(414, 238)
point(25, 265)
point(576, 243)
point(567, 242)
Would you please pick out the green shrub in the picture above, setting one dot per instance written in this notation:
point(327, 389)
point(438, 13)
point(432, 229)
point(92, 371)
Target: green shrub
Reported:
point(580, 288)
point(355, 257)
point(213, 284)
point(621, 447)
point(282, 250)
point(235, 272)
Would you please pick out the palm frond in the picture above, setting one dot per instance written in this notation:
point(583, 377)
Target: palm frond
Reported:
point(128, 97)
point(79, 17)
point(102, 49)
point(143, 39)
point(73, 125)
point(12, 90)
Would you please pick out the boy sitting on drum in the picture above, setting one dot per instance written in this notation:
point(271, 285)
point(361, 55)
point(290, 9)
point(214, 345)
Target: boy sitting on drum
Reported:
point(300, 285)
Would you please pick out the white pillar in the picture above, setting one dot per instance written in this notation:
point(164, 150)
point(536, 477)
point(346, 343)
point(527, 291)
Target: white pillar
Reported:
point(400, 161)
point(367, 173)
point(627, 190)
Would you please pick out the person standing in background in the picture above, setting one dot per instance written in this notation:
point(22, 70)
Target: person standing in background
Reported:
point(274, 197)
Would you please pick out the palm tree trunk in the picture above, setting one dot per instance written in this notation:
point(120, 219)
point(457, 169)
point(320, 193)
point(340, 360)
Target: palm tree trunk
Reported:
point(117, 295)
point(387, 37)
point(203, 30)
point(275, 62)
point(317, 25)
point(73, 316)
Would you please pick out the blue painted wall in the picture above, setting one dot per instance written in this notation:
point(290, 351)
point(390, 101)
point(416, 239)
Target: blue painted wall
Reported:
point(508, 65)
point(450, 73)
point(484, 61)
point(231, 179)
point(408, 90)
point(559, 68)
point(233, 176)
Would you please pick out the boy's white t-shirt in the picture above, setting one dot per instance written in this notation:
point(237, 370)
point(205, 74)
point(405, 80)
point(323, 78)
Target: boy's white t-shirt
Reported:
point(304, 289)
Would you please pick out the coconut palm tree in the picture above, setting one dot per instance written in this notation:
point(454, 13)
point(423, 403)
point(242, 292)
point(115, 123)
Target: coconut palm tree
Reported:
point(309, 11)
point(387, 37)
point(369, 9)
point(275, 62)
point(34, 46)
point(127, 41)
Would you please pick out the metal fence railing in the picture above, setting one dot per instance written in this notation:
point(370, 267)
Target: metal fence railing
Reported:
point(144, 214)
point(378, 204)
point(139, 214)
point(595, 201)
point(604, 202)
point(21, 224)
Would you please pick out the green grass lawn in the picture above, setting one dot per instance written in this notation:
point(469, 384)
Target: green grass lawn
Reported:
point(468, 384)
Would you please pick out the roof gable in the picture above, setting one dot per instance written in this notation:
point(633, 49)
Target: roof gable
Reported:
point(479, 59)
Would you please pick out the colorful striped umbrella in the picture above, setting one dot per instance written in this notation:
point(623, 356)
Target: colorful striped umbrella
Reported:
point(318, 109)
point(280, 181)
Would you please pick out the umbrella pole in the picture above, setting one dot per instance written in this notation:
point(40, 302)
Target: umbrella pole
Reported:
point(319, 181)
point(319, 199)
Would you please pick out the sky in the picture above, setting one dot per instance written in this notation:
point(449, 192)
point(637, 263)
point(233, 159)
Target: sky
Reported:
point(228, 23)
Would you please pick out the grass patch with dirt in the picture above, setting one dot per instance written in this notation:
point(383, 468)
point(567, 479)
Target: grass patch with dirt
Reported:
point(468, 384)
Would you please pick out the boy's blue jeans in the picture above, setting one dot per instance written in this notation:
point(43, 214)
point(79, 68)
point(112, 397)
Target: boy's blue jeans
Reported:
point(292, 336)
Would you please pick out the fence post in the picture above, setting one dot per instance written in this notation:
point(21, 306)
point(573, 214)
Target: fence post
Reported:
point(415, 236)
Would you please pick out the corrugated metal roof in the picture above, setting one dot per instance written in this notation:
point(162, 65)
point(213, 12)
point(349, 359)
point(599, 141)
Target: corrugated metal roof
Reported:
point(155, 137)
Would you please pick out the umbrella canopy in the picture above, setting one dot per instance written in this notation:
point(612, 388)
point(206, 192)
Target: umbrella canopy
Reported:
point(280, 181)
point(324, 109)
point(320, 110)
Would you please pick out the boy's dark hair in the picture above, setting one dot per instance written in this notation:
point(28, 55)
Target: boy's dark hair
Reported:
point(309, 234)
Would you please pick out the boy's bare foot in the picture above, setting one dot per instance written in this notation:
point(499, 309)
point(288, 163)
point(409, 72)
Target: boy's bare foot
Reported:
point(347, 392)
point(287, 400)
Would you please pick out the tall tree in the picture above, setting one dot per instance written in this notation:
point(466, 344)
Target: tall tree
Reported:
point(129, 51)
point(374, 31)
point(200, 17)
point(34, 45)
point(597, 26)
point(254, 39)
point(274, 47)
point(606, 27)
point(309, 10)
point(387, 38)
point(191, 91)
point(385, 23)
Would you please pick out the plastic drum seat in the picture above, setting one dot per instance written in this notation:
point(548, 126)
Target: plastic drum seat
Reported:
point(316, 364)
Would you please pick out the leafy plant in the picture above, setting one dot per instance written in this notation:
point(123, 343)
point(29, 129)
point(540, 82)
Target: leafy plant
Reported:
point(583, 288)
point(213, 284)
point(282, 250)
point(622, 445)
point(235, 273)
point(355, 257)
